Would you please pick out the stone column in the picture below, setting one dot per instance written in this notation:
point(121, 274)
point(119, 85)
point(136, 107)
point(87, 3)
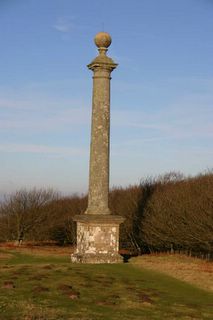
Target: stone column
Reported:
point(98, 229)
point(102, 66)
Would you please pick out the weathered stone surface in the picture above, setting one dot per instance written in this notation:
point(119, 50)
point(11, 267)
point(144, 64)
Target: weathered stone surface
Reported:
point(99, 148)
point(97, 229)
point(96, 259)
point(99, 218)
point(97, 240)
point(102, 40)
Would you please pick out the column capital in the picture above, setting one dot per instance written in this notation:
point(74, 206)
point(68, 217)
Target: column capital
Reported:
point(102, 62)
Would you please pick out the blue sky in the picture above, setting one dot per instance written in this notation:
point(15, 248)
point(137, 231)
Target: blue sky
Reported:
point(161, 98)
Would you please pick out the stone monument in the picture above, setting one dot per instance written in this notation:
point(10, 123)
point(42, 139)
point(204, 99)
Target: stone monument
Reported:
point(97, 228)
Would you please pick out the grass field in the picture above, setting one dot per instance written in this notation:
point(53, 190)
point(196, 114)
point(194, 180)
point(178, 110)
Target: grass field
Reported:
point(43, 284)
point(193, 270)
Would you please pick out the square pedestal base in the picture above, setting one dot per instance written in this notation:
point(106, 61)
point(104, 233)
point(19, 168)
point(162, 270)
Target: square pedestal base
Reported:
point(97, 239)
point(96, 258)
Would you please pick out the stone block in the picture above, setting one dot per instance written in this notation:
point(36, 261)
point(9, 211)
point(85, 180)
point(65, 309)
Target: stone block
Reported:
point(97, 239)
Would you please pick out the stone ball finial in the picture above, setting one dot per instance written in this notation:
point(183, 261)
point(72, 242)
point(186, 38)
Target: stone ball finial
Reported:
point(102, 40)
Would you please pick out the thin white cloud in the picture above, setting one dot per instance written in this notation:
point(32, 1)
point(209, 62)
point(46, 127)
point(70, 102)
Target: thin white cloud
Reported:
point(41, 149)
point(47, 121)
point(35, 112)
point(14, 104)
point(190, 116)
point(63, 25)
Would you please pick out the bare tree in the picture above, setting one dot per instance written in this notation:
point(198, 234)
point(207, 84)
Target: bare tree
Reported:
point(25, 211)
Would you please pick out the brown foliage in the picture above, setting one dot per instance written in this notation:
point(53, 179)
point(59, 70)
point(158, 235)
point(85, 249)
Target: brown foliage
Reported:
point(24, 211)
point(180, 215)
point(125, 202)
point(165, 213)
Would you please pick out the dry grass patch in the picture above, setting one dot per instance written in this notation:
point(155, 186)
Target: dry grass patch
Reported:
point(41, 251)
point(192, 270)
point(5, 256)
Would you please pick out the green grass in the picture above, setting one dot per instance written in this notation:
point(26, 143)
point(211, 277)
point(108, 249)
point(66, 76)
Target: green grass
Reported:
point(53, 288)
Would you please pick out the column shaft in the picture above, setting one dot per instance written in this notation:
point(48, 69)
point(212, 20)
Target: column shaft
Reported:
point(99, 148)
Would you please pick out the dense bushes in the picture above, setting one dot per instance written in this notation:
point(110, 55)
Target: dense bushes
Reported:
point(39, 215)
point(180, 215)
point(170, 212)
